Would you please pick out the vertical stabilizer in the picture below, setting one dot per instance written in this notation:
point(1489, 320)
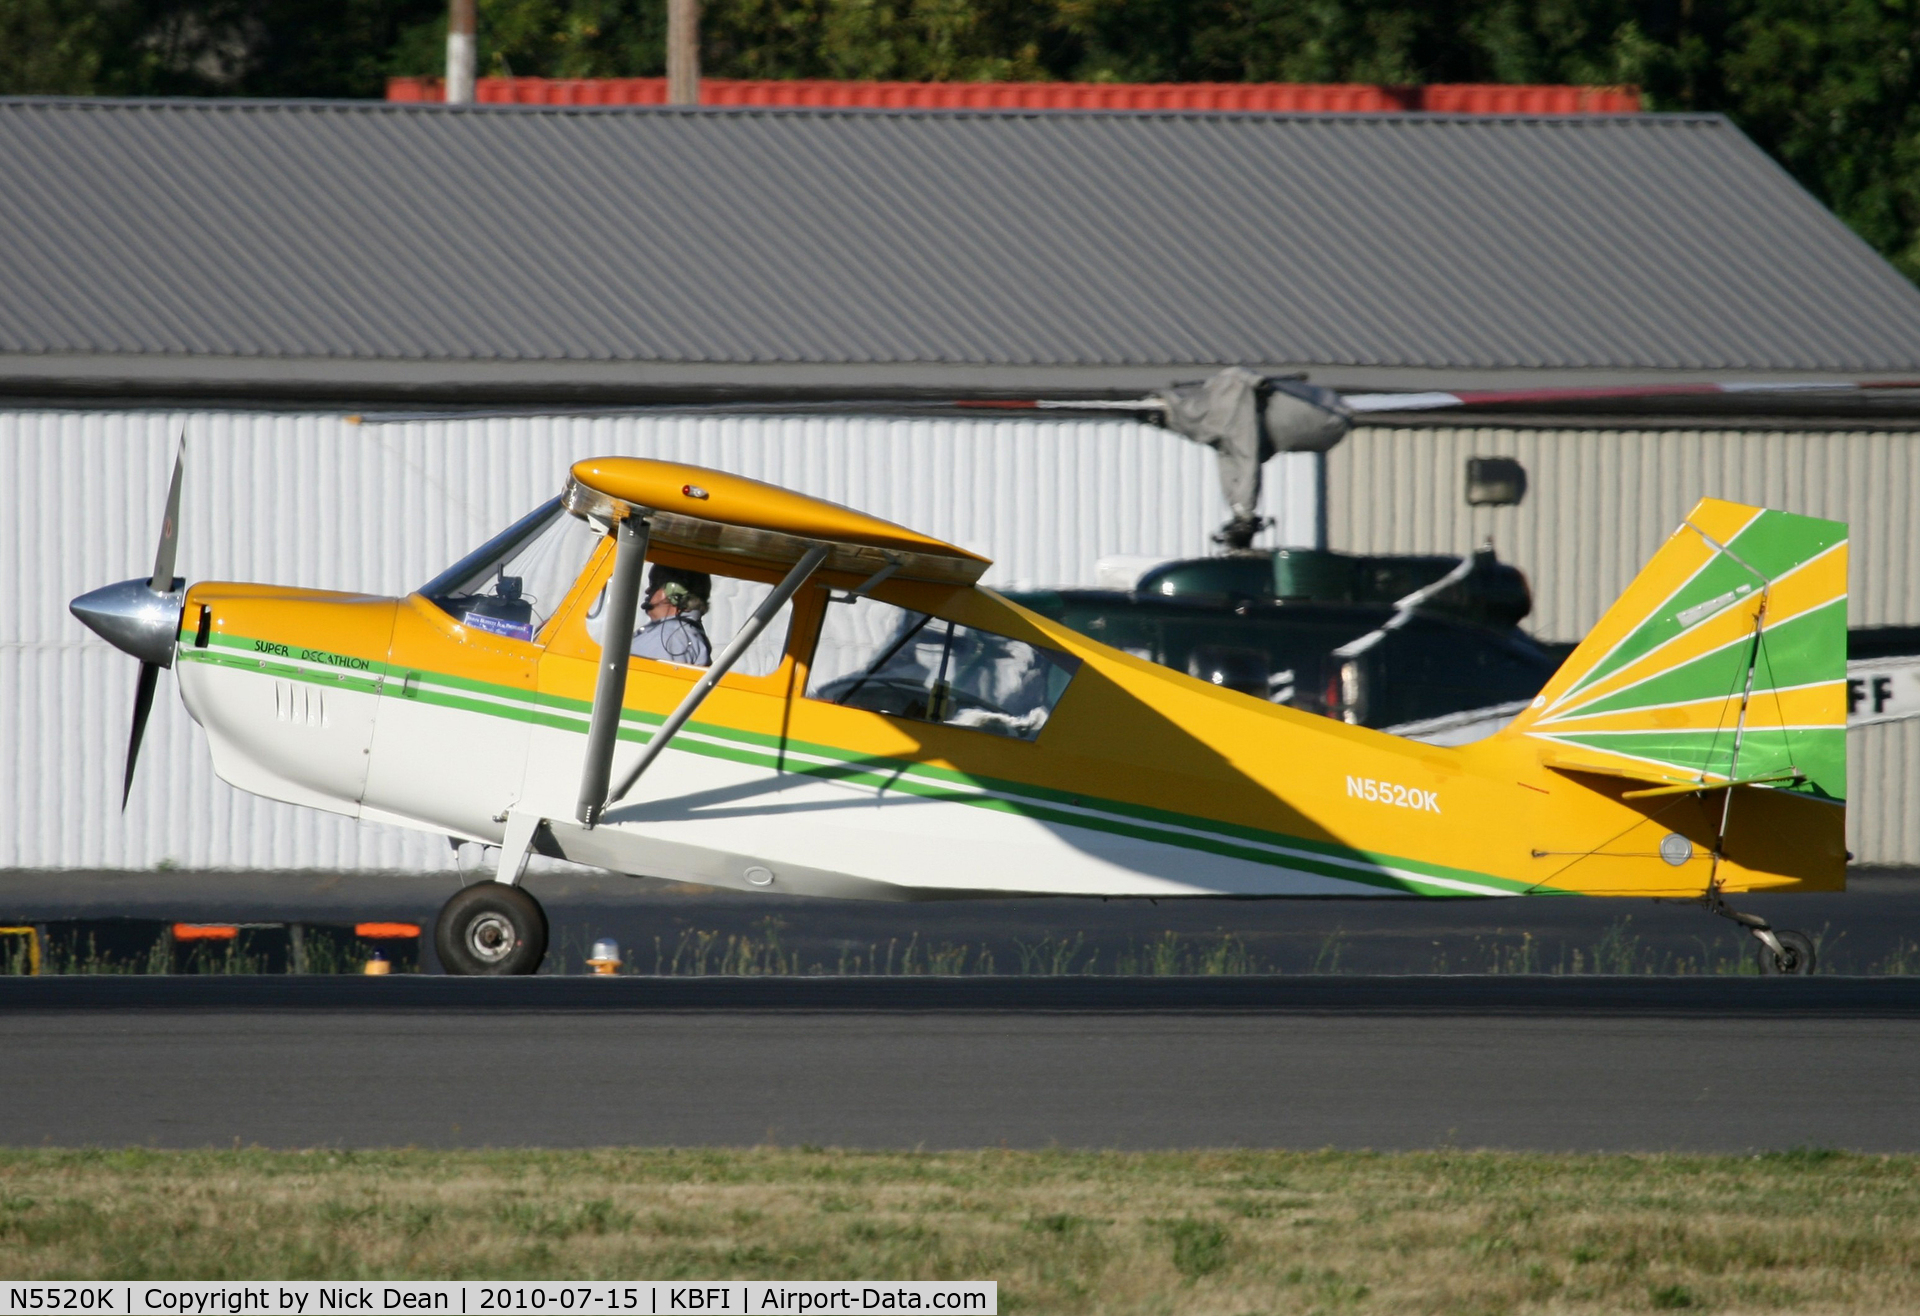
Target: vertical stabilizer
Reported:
point(1725, 660)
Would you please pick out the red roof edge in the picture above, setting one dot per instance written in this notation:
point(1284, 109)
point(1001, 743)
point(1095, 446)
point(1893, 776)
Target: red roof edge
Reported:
point(1261, 97)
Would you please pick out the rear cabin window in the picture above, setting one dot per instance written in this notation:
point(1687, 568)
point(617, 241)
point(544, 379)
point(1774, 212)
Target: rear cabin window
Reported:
point(887, 659)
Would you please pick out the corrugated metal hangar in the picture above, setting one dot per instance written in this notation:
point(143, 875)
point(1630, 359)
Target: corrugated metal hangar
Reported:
point(385, 330)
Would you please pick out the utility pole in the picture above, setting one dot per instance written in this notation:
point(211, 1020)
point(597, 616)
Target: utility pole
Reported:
point(460, 51)
point(683, 52)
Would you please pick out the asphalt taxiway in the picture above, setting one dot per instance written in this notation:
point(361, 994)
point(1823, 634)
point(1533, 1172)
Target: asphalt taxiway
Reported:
point(1630, 1064)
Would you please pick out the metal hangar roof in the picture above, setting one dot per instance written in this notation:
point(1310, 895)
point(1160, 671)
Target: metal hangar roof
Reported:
point(381, 250)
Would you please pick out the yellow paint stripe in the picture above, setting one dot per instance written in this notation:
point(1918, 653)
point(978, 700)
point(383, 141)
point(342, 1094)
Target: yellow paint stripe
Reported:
point(1815, 705)
point(1580, 758)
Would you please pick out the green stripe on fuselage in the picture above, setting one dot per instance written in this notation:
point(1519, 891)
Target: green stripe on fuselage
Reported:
point(923, 781)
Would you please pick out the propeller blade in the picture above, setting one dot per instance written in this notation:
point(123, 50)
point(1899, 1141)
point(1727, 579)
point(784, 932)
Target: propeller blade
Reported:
point(142, 706)
point(163, 557)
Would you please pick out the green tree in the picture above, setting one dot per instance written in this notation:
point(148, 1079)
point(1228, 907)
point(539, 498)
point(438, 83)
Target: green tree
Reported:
point(1829, 88)
point(54, 47)
point(204, 48)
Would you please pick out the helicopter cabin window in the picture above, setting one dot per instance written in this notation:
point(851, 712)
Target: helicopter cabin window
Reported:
point(512, 584)
point(688, 617)
point(887, 659)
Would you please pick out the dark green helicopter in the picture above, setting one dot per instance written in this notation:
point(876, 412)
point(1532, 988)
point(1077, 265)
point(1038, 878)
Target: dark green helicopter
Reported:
point(1331, 633)
point(1381, 641)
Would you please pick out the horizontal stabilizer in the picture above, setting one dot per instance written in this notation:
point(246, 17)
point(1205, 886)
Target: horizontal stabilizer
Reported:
point(1602, 765)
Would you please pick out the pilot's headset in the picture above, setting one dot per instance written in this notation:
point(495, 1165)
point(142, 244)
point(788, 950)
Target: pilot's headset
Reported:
point(685, 590)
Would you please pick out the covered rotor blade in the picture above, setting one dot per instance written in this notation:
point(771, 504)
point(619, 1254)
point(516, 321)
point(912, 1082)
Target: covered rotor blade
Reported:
point(1247, 417)
point(163, 556)
point(1224, 413)
point(142, 706)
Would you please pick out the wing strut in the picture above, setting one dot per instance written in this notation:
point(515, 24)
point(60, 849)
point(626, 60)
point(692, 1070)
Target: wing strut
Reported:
point(610, 693)
point(736, 647)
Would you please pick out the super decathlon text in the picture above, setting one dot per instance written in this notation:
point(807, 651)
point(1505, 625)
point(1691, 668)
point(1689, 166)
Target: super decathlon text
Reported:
point(1387, 792)
point(312, 655)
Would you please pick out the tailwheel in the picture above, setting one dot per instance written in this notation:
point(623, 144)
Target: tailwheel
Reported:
point(491, 928)
point(1780, 950)
point(1795, 953)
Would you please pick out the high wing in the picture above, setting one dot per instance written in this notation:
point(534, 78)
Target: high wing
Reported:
point(732, 516)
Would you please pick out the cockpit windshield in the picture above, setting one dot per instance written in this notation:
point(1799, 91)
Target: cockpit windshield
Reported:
point(512, 584)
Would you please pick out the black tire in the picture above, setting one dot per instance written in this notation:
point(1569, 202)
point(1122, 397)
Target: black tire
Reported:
point(1798, 959)
point(491, 929)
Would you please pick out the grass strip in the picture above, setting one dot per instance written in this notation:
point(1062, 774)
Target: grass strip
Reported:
point(1445, 1232)
point(695, 952)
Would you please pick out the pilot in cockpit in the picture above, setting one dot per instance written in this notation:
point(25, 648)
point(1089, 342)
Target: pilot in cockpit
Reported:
point(675, 602)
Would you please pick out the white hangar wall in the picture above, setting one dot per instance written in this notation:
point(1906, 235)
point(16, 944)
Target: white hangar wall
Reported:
point(1600, 502)
point(314, 500)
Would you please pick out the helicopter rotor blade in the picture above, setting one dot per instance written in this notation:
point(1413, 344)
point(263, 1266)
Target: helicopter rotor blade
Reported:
point(142, 706)
point(1439, 401)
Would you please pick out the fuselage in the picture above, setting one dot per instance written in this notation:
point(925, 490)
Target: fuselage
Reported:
point(1142, 782)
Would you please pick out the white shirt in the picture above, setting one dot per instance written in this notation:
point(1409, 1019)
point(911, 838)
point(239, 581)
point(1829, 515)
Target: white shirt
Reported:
point(674, 640)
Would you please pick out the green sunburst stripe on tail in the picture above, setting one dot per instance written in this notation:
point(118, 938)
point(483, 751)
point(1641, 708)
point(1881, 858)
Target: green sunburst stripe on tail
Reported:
point(1772, 544)
point(1820, 753)
point(1805, 649)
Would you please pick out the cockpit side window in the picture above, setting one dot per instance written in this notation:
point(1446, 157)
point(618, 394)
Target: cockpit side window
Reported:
point(515, 581)
point(888, 659)
point(688, 616)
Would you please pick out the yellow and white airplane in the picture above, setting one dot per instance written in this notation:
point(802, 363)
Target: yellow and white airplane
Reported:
point(861, 719)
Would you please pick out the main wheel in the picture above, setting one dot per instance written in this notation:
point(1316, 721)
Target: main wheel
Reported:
point(1797, 957)
point(491, 928)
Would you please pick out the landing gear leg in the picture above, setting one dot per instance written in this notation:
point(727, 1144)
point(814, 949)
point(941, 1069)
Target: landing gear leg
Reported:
point(516, 846)
point(1780, 950)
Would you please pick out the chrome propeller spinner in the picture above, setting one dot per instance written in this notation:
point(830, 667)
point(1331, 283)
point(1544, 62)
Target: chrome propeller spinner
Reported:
point(142, 617)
